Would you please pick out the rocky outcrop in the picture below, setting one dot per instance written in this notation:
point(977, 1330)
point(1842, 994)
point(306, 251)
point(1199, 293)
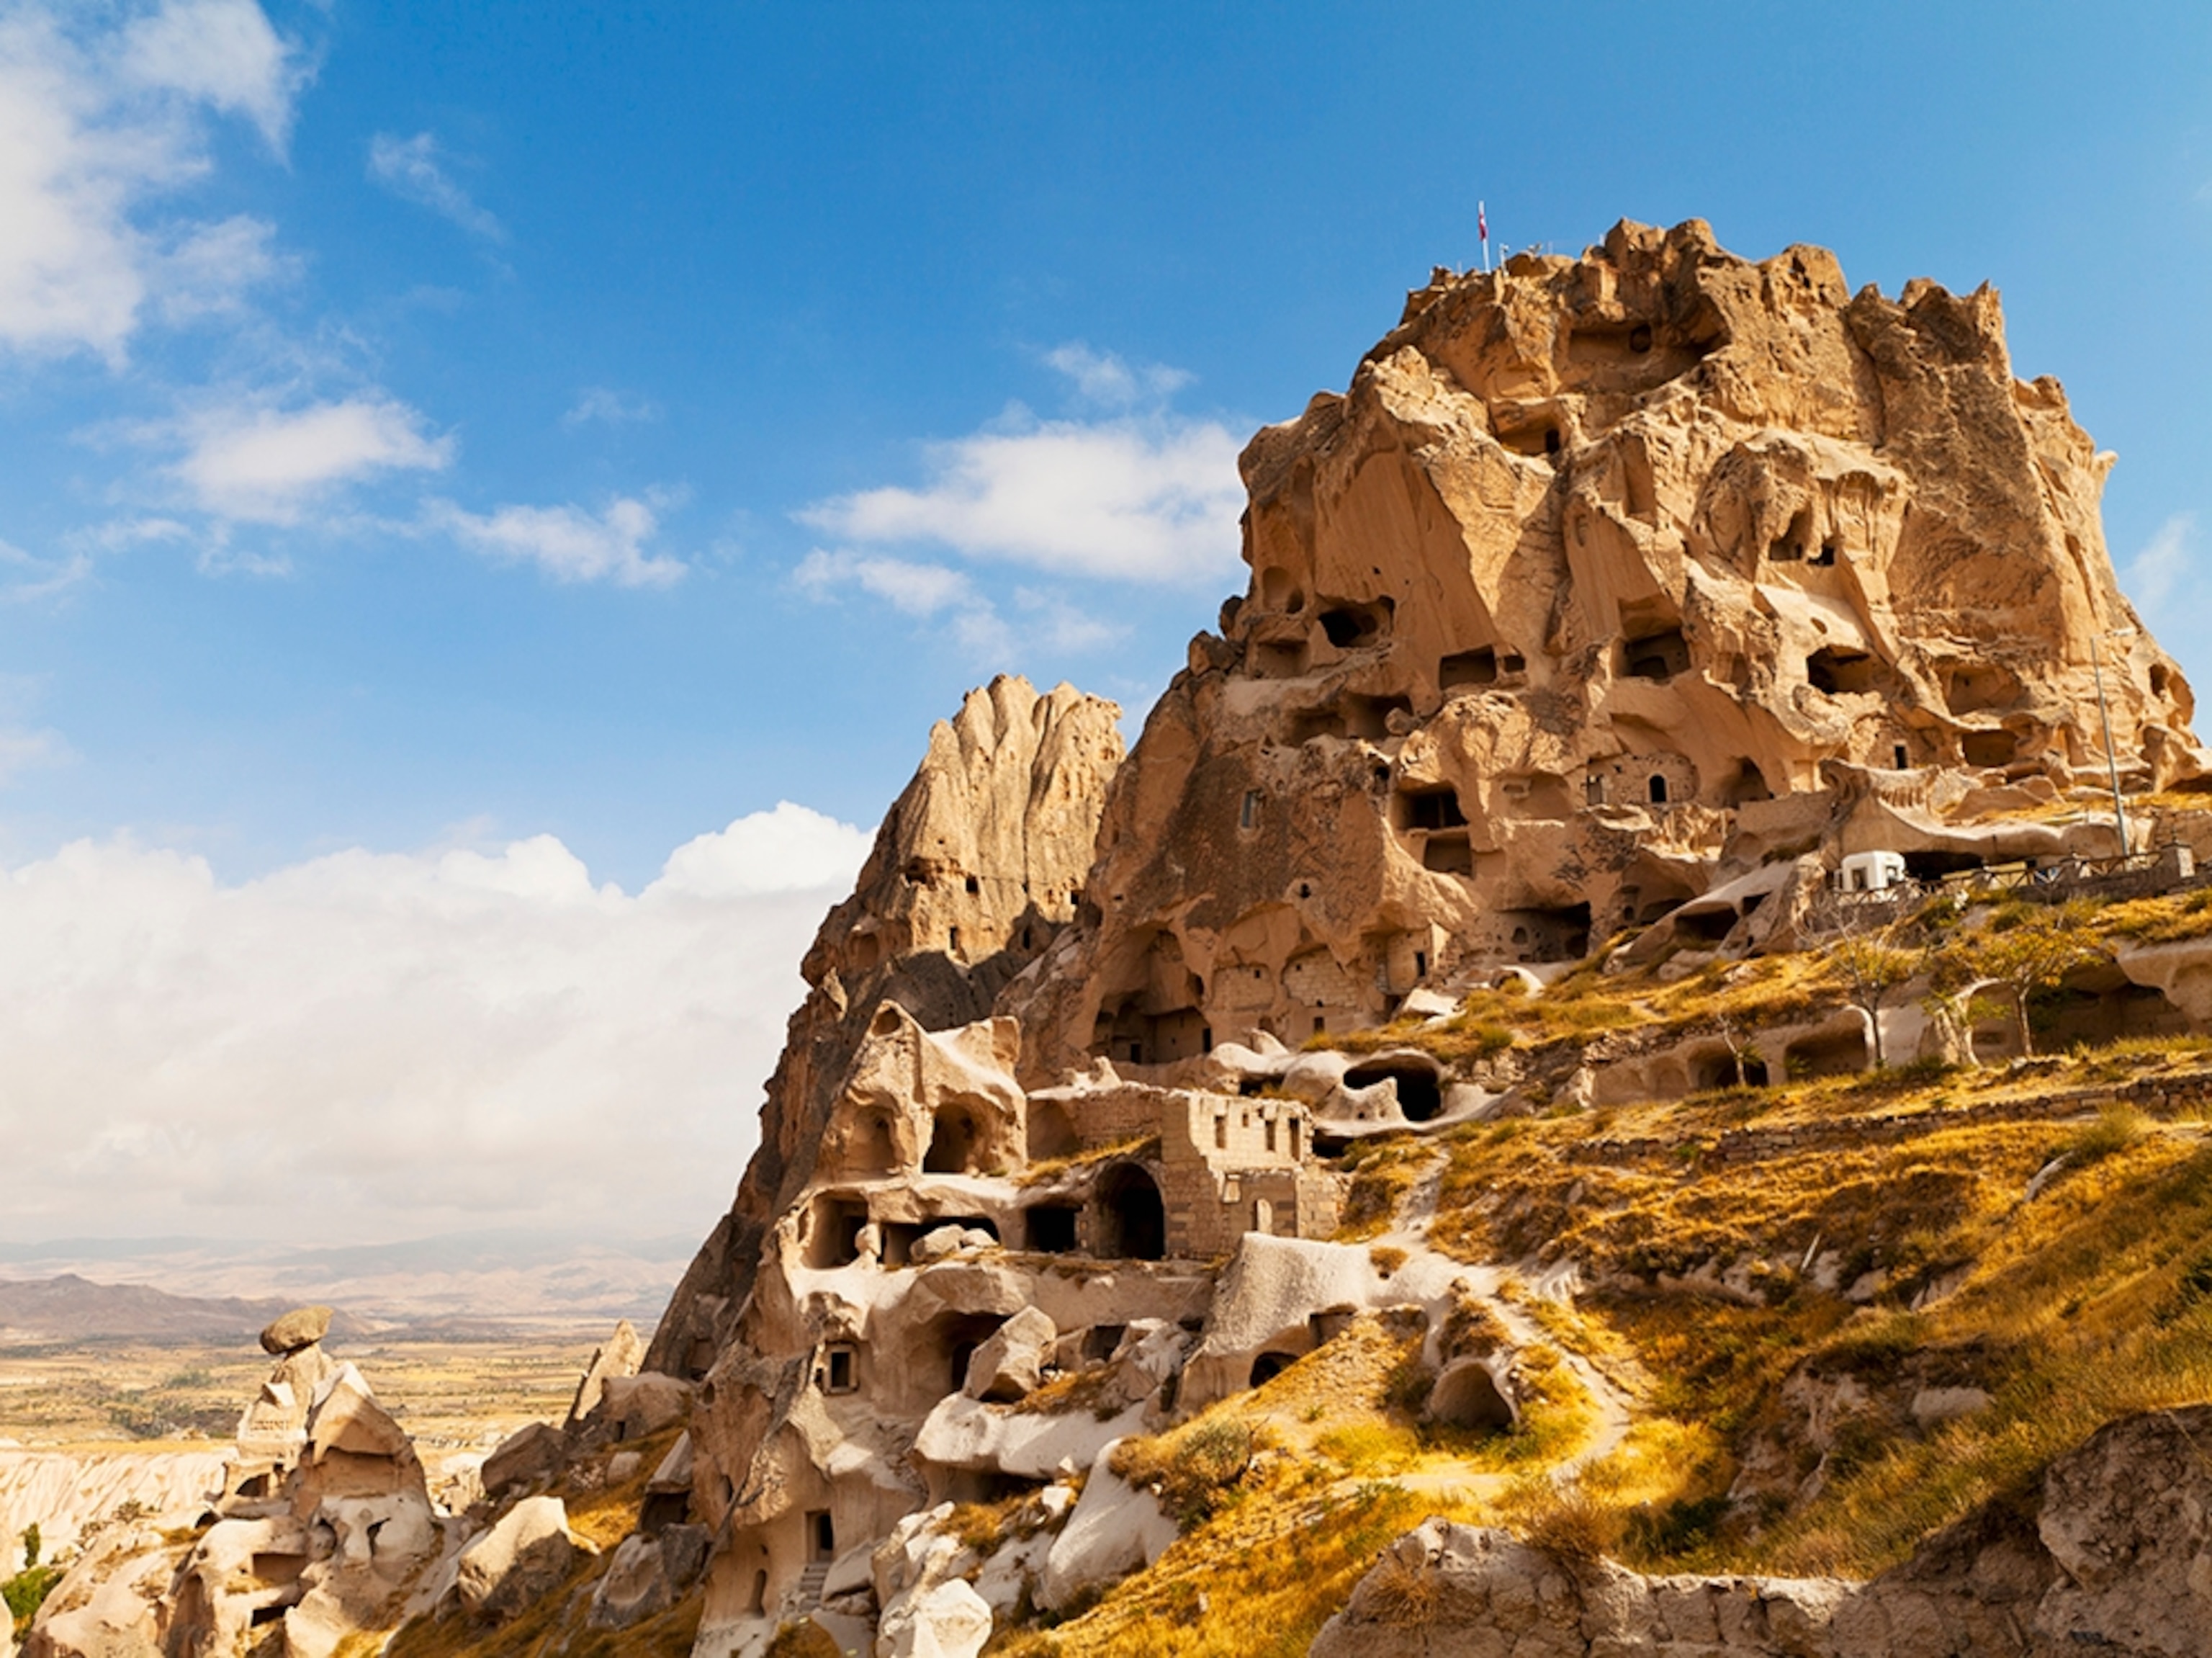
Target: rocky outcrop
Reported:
point(622, 1356)
point(1608, 579)
point(974, 870)
point(68, 1495)
point(2114, 1556)
point(522, 1558)
point(323, 1529)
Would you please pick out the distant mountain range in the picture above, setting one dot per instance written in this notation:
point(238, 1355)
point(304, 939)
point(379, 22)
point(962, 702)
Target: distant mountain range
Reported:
point(192, 1288)
point(73, 1308)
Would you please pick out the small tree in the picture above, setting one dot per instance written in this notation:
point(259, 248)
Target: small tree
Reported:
point(34, 1545)
point(1872, 972)
point(1951, 1002)
point(2033, 954)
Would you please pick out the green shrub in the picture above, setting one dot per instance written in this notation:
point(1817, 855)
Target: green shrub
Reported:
point(26, 1591)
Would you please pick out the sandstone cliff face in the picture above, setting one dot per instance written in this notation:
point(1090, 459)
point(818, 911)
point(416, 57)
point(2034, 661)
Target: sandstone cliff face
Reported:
point(1608, 578)
point(974, 870)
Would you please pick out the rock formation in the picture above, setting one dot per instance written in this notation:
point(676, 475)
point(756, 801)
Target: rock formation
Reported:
point(1632, 591)
point(974, 870)
point(322, 1529)
point(1610, 579)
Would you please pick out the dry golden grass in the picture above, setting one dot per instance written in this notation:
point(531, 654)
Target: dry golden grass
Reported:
point(1257, 1580)
point(2164, 920)
point(1383, 1169)
point(547, 1628)
point(2093, 1300)
point(1050, 1168)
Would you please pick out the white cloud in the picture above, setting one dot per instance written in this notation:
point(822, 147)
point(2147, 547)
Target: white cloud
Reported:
point(371, 1046)
point(253, 461)
point(1145, 499)
point(2154, 573)
point(24, 577)
point(787, 847)
point(568, 543)
point(1105, 377)
point(208, 270)
point(219, 52)
point(21, 749)
point(97, 126)
point(603, 403)
point(950, 600)
point(916, 588)
point(410, 168)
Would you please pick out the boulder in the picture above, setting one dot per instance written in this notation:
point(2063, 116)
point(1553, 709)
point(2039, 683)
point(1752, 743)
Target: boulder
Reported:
point(635, 1587)
point(946, 1620)
point(942, 1243)
point(1267, 1297)
point(649, 1573)
point(1115, 1529)
point(1009, 1365)
point(966, 1434)
point(519, 1561)
point(535, 1451)
point(301, 1327)
point(348, 1416)
point(621, 1355)
point(673, 1472)
point(642, 1406)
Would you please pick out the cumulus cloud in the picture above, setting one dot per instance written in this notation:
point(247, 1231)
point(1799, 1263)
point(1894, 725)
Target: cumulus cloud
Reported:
point(1141, 498)
point(410, 169)
point(605, 405)
point(101, 119)
point(368, 1046)
point(2154, 573)
point(263, 464)
point(568, 543)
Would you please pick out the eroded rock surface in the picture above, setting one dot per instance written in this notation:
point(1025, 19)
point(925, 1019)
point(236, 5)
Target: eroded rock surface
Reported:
point(1607, 580)
point(976, 867)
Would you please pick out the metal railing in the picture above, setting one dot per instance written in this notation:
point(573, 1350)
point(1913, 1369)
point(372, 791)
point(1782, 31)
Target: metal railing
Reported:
point(2145, 874)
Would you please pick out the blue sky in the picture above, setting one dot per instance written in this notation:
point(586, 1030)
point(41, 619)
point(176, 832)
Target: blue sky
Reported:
point(427, 431)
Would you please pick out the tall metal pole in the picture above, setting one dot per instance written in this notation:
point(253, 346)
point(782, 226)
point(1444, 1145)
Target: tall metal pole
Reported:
point(2111, 759)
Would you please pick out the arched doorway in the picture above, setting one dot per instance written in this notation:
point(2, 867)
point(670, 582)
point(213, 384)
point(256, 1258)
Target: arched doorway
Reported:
point(1132, 1220)
point(1467, 1396)
point(952, 1143)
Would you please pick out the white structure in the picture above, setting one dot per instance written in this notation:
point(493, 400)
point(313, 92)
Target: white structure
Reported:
point(1871, 872)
